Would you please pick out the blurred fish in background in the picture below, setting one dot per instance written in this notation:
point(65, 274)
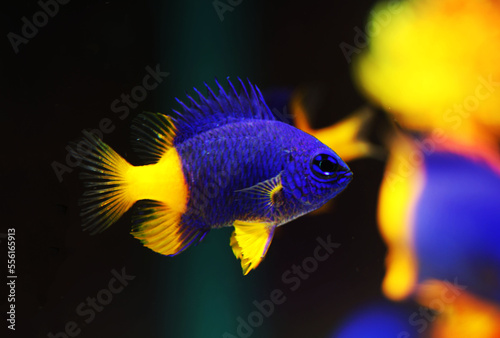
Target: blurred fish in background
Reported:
point(459, 312)
point(380, 319)
point(434, 67)
point(349, 136)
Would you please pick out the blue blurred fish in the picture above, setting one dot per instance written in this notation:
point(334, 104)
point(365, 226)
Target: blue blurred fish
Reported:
point(223, 161)
point(456, 226)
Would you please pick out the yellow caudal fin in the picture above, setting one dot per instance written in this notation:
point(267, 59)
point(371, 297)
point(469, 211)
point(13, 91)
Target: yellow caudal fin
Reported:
point(113, 186)
point(106, 197)
point(250, 242)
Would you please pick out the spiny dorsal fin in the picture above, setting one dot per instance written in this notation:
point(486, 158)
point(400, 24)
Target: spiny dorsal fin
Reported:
point(152, 135)
point(161, 229)
point(250, 242)
point(216, 110)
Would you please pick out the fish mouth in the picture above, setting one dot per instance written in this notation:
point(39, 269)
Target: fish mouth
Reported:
point(348, 173)
point(345, 177)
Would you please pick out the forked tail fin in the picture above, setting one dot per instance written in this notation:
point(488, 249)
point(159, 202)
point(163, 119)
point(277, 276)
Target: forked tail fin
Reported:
point(106, 197)
point(113, 186)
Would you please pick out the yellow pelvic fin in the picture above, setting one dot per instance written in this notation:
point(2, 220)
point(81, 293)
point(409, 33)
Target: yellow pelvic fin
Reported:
point(250, 241)
point(160, 229)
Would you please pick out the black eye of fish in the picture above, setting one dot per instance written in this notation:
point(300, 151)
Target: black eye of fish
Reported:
point(325, 166)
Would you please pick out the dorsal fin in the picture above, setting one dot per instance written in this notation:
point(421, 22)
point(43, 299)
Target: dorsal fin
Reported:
point(216, 110)
point(153, 133)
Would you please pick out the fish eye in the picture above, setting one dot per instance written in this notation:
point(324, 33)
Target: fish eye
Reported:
point(325, 166)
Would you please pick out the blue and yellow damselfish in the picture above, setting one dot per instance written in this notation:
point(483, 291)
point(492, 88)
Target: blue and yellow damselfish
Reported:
point(225, 160)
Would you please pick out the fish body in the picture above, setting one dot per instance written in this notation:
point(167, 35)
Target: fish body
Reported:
point(242, 155)
point(224, 161)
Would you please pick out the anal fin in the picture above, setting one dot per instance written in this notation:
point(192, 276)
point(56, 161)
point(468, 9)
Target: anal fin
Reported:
point(250, 241)
point(160, 229)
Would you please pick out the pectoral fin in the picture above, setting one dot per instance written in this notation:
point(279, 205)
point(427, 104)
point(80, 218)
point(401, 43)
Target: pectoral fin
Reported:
point(265, 195)
point(250, 241)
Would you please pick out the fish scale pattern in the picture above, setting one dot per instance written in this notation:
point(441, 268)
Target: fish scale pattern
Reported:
point(233, 157)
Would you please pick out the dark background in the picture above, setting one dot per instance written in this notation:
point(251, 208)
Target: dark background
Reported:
point(65, 79)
